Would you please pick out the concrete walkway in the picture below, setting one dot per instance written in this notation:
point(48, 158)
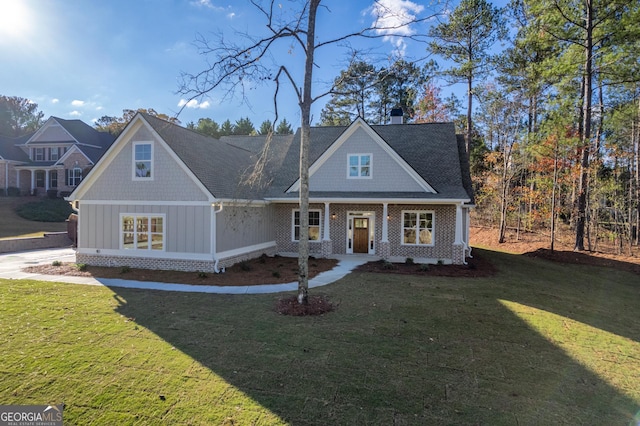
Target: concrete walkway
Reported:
point(11, 265)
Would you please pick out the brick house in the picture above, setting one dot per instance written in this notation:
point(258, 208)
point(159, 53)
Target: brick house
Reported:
point(166, 197)
point(54, 158)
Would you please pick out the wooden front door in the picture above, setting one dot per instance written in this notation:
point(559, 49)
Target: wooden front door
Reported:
point(360, 235)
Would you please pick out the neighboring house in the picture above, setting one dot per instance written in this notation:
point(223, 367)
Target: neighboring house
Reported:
point(165, 197)
point(54, 158)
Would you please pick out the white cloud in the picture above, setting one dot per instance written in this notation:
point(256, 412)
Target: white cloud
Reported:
point(231, 15)
point(208, 4)
point(55, 100)
point(75, 113)
point(77, 103)
point(391, 18)
point(193, 103)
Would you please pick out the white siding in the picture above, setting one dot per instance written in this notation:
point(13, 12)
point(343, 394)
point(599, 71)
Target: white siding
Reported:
point(243, 226)
point(387, 175)
point(187, 228)
point(170, 182)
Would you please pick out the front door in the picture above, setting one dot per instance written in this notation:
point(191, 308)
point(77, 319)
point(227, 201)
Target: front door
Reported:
point(361, 235)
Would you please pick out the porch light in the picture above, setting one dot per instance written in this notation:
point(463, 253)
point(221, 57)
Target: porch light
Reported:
point(333, 215)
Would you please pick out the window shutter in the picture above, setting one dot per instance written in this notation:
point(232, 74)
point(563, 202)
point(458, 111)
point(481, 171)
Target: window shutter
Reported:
point(66, 177)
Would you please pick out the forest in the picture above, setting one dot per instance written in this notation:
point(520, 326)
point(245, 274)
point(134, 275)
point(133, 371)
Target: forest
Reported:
point(550, 111)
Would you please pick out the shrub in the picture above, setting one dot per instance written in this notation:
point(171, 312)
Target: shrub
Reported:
point(388, 265)
point(64, 194)
point(263, 258)
point(12, 191)
point(244, 265)
point(424, 267)
point(276, 274)
point(57, 210)
point(440, 262)
point(125, 269)
point(409, 261)
point(202, 275)
point(56, 263)
point(81, 266)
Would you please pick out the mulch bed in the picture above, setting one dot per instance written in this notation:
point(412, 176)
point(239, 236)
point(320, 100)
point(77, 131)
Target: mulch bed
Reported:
point(477, 266)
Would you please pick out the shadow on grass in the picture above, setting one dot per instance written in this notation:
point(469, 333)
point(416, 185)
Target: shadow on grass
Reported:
point(411, 350)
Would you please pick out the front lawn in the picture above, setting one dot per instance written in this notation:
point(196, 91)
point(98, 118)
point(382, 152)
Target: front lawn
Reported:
point(12, 225)
point(537, 343)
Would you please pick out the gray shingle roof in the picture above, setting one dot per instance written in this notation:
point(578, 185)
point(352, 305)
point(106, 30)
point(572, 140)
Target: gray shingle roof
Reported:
point(9, 150)
point(222, 165)
point(431, 149)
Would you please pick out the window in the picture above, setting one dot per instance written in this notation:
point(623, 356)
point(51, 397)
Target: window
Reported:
point(417, 228)
point(142, 232)
point(142, 160)
point(40, 179)
point(53, 154)
point(53, 178)
point(314, 225)
point(74, 176)
point(359, 166)
point(38, 154)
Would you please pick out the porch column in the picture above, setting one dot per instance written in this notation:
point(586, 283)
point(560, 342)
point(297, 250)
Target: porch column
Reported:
point(458, 235)
point(326, 244)
point(385, 223)
point(46, 180)
point(18, 178)
point(325, 234)
point(384, 247)
point(33, 180)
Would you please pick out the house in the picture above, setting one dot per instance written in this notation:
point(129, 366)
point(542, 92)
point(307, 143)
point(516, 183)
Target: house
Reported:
point(54, 158)
point(165, 197)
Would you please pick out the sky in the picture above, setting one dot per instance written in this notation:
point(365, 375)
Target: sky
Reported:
point(84, 59)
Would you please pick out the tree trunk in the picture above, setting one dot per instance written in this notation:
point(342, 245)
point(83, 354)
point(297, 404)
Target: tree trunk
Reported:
point(586, 130)
point(305, 109)
point(553, 195)
point(468, 133)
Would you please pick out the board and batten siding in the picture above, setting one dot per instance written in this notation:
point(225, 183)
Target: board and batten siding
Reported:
point(386, 175)
point(170, 182)
point(187, 228)
point(244, 226)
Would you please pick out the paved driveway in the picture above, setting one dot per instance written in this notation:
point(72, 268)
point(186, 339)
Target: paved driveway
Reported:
point(11, 265)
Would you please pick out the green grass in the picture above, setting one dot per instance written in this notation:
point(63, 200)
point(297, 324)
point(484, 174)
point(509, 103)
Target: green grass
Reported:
point(12, 225)
point(539, 343)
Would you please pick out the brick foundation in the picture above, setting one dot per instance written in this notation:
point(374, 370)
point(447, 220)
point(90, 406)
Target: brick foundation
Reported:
point(169, 264)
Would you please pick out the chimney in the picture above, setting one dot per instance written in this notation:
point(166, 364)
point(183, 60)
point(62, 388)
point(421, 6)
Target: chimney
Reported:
point(396, 116)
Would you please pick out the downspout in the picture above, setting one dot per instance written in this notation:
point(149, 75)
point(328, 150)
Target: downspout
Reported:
point(214, 212)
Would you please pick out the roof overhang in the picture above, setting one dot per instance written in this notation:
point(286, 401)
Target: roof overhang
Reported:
point(368, 200)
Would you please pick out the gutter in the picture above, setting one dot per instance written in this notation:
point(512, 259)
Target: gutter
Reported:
point(214, 212)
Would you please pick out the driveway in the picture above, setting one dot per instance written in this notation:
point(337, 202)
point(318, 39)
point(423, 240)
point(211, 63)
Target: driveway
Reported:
point(11, 265)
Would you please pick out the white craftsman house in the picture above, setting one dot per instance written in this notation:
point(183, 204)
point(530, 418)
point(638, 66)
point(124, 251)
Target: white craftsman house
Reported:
point(166, 197)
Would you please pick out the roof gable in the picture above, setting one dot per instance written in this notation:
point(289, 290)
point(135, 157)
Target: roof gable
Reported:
point(389, 171)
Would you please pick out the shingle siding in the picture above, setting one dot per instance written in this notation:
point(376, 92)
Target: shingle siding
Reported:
point(170, 182)
point(386, 174)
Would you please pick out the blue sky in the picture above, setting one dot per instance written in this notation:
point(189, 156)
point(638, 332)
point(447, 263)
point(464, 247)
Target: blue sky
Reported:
point(83, 59)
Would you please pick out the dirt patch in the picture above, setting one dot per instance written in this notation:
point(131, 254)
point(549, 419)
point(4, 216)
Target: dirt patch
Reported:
point(318, 305)
point(263, 270)
point(536, 244)
point(477, 266)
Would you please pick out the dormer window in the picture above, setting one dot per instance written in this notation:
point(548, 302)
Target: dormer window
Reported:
point(142, 161)
point(359, 166)
point(38, 154)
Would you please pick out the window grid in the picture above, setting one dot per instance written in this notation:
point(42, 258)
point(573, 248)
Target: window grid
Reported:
point(142, 232)
point(417, 228)
point(314, 225)
point(359, 166)
point(143, 160)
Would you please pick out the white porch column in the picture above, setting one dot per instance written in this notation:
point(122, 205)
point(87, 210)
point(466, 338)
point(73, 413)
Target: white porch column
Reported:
point(33, 180)
point(458, 235)
point(385, 223)
point(18, 178)
point(46, 180)
point(325, 233)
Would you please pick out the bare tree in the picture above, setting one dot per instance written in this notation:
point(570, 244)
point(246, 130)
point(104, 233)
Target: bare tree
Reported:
point(233, 67)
